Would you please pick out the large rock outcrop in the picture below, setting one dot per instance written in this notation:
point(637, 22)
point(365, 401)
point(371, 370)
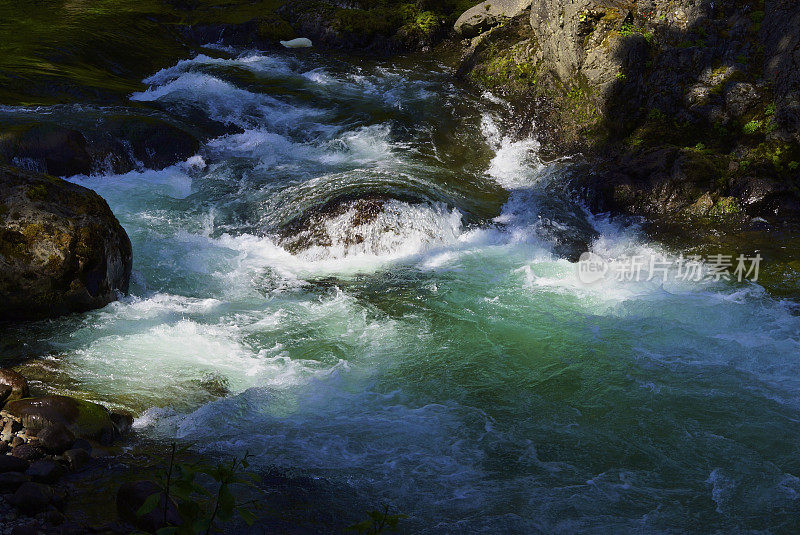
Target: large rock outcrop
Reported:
point(705, 95)
point(61, 248)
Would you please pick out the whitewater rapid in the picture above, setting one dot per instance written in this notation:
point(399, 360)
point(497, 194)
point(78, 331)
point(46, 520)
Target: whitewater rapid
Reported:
point(438, 355)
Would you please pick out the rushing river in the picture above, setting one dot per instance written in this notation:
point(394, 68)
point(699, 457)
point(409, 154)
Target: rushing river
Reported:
point(360, 284)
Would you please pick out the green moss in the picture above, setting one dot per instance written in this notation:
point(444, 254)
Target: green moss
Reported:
point(510, 70)
point(426, 22)
point(274, 28)
point(630, 29)
point(776, 154)
point(726, 206)
point(753, 127)
point(37, 192)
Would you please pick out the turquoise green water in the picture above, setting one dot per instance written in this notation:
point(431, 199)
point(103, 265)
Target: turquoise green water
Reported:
point(438, 356)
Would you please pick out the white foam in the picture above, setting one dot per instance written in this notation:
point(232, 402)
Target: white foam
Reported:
point(225, 102)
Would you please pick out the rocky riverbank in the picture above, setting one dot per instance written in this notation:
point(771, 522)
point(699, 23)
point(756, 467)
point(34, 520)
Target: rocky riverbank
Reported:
point(685, 110)
point(45, 441)
point(688, 111)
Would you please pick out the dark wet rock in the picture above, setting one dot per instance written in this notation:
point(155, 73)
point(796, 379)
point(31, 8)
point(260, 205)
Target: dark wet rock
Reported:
point(56, 438)
point(51, 516)
point(134, 142)
point(77, 458)
point(75, 144)
point(45, 471)
point(655, 183)
point(130, 498)
point(83, 418)
point(17, 383)
point(310, 230)
point(82, 444)
point(61, 248)
point(487, 15)
point(10, 463)
point(46, 148)
point(32, 498)
point(5, 393)
point(29, 451)
point(123, 422)
point(11, 481)
point(28, 528)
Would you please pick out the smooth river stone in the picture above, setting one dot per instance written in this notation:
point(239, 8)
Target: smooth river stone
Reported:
point(83, 418)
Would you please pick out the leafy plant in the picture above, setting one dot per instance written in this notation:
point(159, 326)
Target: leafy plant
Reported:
point(377, 522)
point(753, 127)
point(629, 29)
point(201, 509)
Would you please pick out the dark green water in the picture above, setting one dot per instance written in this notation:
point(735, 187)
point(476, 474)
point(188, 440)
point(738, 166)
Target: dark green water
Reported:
point(437, 356)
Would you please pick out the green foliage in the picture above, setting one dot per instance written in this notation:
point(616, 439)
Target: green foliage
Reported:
point(377, 522)
point(724, 207)
point(770, 109)
point(201, 509)
point(753, 127)
point(581, 106)
point(503, 70)
point(426, 21)
point(629, 29)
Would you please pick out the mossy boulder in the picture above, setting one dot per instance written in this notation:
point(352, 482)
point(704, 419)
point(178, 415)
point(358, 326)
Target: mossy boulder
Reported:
point(61, 248)
point(83, 419)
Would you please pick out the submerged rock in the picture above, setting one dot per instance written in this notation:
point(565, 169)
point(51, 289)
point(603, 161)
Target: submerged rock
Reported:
point(61, 248)
point(48, 148)
point(83, 419)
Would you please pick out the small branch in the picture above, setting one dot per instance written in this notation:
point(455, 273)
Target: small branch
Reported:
point(169, 477)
